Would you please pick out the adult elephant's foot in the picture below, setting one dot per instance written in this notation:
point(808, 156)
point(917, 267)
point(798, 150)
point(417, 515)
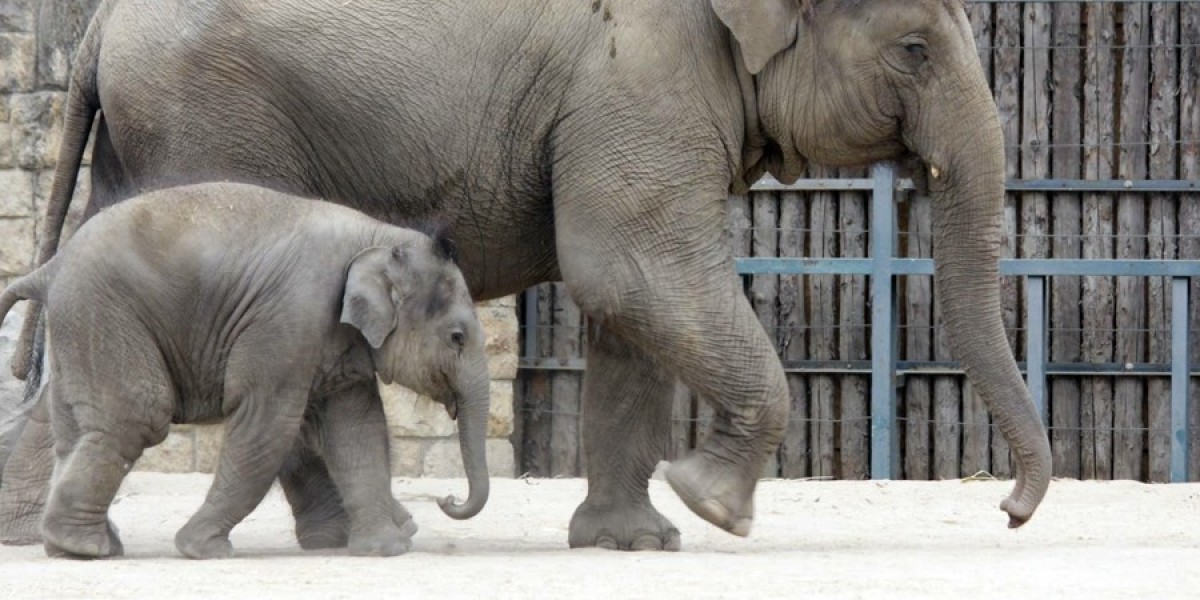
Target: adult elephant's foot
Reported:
point(22, 528)
point(81, 541)
point(203, 542)
point(717, 491)
point(633, 526)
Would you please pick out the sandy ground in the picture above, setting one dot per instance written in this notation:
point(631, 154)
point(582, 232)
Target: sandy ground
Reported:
point(811, 539)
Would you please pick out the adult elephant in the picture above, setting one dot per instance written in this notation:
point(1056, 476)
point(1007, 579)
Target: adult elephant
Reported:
point(593, 141)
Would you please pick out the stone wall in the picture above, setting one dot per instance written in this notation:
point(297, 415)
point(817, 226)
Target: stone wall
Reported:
point(37, 42)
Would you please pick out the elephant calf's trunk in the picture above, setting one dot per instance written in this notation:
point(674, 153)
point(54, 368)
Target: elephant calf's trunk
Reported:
point(472, 438)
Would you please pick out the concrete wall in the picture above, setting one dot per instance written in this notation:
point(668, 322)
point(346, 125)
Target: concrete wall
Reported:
point(37, 41)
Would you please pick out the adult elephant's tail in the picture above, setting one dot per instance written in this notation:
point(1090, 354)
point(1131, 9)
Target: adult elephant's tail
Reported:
point(83, 102)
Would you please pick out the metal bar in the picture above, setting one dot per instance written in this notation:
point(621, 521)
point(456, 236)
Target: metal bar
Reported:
point(1102, 185)
point(531, 319)
point(884, 447)
point(1035, 345)
point(770, 184)
point(1078, 1)
point(911, 367)
point(1180, 382)
point(1011, 266)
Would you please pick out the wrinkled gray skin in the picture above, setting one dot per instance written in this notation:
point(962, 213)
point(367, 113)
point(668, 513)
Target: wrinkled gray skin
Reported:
point(271, 312)
point(594, 141)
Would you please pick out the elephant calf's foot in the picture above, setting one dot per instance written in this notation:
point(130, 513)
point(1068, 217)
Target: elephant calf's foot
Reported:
point(386, 540)
point(81, 541)
point(319, 534)
point(622, 527)
point(716, 491)
point(195, 541)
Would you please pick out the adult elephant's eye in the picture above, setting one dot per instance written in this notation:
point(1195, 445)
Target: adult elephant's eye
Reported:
point(915, 49)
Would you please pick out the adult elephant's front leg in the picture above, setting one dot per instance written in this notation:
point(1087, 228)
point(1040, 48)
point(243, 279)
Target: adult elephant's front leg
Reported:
point(627, 410)
point(649, 261)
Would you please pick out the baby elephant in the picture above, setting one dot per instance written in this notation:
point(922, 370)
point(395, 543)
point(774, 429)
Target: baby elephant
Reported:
point(275, 313)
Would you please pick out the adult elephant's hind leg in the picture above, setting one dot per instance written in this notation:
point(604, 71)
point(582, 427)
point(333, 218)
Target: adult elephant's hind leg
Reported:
point(627, 410)
point(26, 480)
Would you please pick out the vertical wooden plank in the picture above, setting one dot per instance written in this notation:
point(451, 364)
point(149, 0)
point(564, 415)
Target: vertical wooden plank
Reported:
point(1006, 60)
point(794, 452)
point(1007, 89)
point(1128, 393)
point(1189, 204)
point(1066, 163)
point(981, 15)
point(764, 289)
point(822, 242)
point(1098, 213)
point(975, 430)
point(565, 387)
point(537, 405)
point(1163, 238)
point(1035, 137)
point(852, 335)
point(680, 440)
point(918, 341)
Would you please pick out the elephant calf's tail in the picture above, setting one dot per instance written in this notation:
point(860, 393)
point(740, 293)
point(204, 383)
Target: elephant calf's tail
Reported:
point(30, 287)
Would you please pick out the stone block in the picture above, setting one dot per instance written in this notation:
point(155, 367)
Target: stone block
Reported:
point(502, 340)
point(176, 454)
point(18, 62)
point(7, 157)
point(443, 458)
point(60, 25)
point(16, 246)
point(36, 121)
point(509, 301)
point(17, 193)
point(16, 16)
point(410, 414)
point(500, 413)
point(407, 456)
point(208, 446)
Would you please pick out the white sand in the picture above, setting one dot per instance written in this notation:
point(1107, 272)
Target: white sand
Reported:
point(811, 539)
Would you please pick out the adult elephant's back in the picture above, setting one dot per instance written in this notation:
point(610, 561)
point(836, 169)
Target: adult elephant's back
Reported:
point(387, 107)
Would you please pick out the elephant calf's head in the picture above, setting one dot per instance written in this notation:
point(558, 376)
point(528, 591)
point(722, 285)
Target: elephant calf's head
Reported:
point(411, 304)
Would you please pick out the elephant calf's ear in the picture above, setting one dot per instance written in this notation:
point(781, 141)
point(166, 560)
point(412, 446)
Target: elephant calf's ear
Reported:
point(762, 28)
point(367, 304)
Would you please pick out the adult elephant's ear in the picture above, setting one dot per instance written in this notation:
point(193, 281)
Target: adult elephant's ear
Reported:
point(763, 28)
point(367, 303)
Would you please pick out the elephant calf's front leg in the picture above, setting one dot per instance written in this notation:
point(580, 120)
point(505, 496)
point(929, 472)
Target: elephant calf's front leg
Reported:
point(356, 450)
point(259, 435)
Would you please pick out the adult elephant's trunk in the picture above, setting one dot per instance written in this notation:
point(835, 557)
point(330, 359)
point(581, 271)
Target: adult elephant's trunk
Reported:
point(960, 140)
point(474, 394)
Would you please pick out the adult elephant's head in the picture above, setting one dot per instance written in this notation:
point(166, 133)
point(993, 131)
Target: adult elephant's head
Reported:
point(849, 82)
